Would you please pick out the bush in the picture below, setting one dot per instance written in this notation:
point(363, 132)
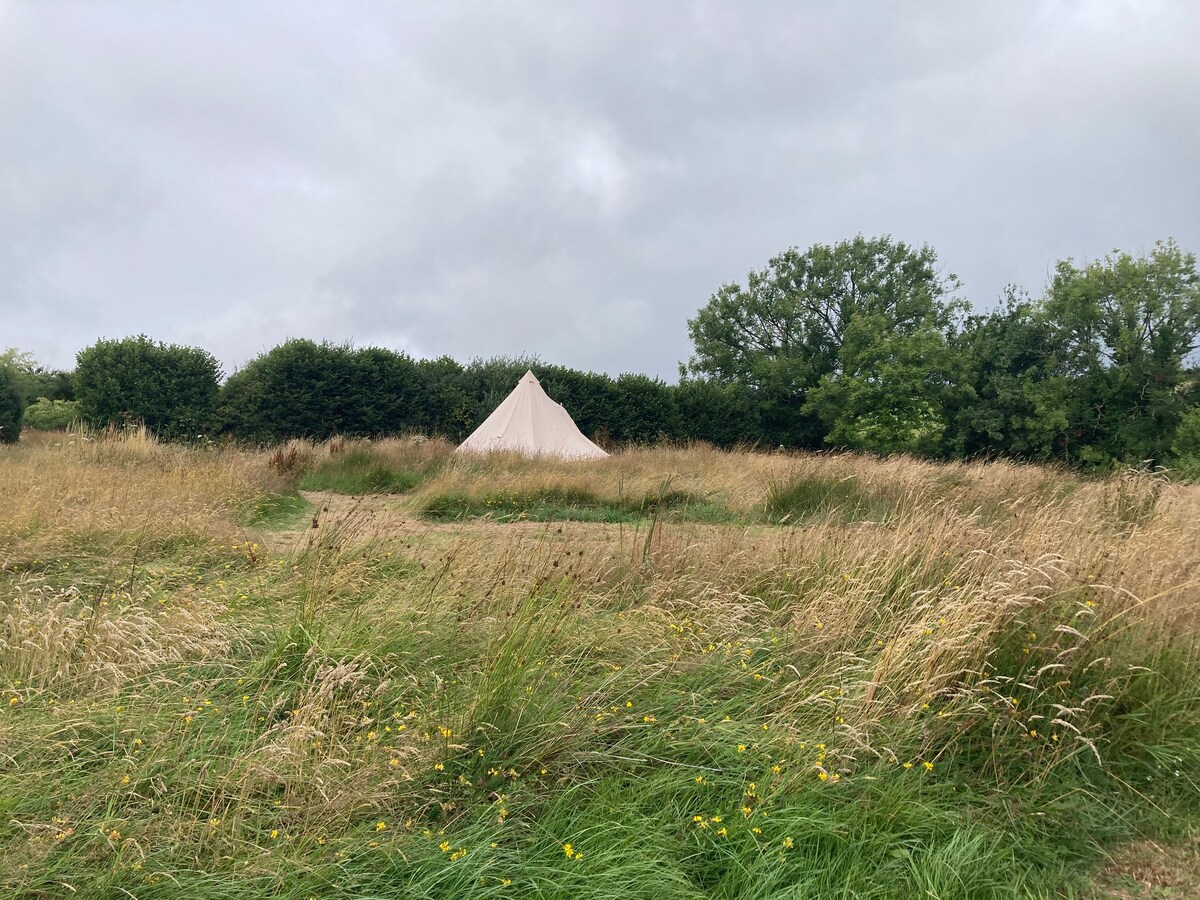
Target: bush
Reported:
point(721, 414)
point(51, 415)
point(1187, 435)
point(12, 407)
point(302, 389)
point(645, 410)
point(172, 389)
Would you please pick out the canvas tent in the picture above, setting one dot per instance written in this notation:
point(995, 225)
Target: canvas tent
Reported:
point(529, 422)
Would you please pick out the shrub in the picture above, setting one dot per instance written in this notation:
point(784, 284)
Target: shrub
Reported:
point(305, 389)
point(721, 414)
point(1187, 435)
point(172, 389)
point(12, 408)
point(51, 415)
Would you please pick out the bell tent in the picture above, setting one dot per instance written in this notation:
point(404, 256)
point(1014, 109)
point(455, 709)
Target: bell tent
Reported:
point(530, 423)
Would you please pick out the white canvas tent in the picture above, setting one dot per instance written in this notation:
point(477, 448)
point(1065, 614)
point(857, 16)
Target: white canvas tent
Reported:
point(529, 422)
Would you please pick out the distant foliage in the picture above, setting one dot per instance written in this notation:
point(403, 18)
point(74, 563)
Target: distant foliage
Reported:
point(51, 415)
point(12, 407)
point(829, 334)
point(305, 389)
point(35, 380)
point(646, 411)
point(860, 345)
point(171, 388)
point(719, 413)
point(1125, 327)
point(864, 344)
point(445, 405)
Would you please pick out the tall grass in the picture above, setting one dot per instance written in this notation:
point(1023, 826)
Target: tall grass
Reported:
point(950, 681)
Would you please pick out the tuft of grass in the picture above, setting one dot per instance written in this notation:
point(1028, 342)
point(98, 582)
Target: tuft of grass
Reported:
point(277, 511)
point(567, 504)
point(360, 471)
point(808, 497)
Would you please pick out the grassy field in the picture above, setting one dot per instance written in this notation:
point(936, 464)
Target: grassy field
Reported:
point(675, 673)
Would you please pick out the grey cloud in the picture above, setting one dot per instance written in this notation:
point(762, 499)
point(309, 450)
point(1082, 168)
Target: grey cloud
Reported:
point(480, 179)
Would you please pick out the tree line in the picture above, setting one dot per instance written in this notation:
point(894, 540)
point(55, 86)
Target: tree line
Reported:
point(864, 344)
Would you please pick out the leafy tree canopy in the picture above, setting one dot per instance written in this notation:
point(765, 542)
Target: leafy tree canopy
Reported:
point(1125, 328)
point(34, 380)
point(801, 323)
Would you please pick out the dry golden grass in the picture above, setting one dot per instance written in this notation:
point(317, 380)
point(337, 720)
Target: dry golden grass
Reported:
point(123, 484)
point(890, 635)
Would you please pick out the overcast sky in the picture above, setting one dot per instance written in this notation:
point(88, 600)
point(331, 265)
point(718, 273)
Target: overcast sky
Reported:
point(567, 180)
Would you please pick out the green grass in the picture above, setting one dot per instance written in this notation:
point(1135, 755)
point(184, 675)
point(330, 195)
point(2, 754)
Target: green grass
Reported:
point(846, 499)
point(360, 471)
point(530, 767)
point(572, 504)
point(444, 712)
point(277, 511)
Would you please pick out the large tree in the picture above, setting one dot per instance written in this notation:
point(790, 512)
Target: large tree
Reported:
point(1126, 327)
point(1018, 400)
point(811, 323)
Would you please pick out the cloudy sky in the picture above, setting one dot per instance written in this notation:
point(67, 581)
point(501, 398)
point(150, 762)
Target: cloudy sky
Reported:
point(567, 180)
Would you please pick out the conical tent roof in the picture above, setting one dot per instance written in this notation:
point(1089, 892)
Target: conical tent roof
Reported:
point(529, 422)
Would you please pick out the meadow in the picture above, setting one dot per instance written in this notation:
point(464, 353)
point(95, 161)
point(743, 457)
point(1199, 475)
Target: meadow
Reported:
point(373, 669)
